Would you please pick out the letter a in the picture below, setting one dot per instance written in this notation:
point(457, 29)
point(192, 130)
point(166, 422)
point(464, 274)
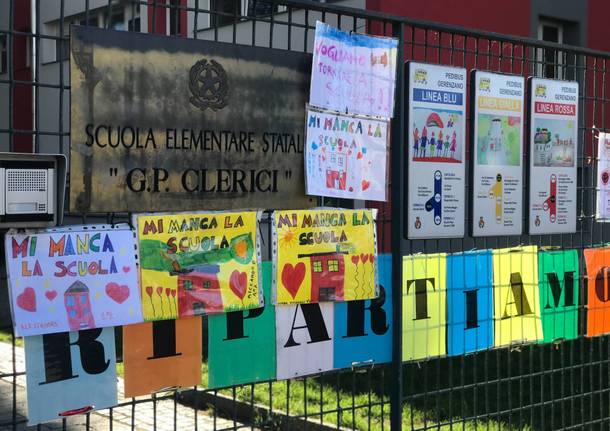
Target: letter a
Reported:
point(516, 287)
point(314, 322)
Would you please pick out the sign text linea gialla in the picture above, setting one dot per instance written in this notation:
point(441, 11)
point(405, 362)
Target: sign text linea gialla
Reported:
point(163, 124)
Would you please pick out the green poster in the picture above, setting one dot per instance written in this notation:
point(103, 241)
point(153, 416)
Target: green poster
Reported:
point(242, 343)
point(558, 280)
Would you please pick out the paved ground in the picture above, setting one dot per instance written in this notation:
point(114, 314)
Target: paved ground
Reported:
point(119, 419)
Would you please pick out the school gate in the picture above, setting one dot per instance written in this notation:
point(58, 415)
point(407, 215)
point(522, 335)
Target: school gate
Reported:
point(560, 385)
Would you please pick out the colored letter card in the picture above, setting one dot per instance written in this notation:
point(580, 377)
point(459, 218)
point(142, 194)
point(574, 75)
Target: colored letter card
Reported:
point(346, 156)
point(237, 335)
point(437, 125)
point(553, 153)
point(598, 291)
point(72, 280)
point(70, 372)
point(198, 263)
point(423, 306)
point(516, 295)
point(304, 339)
point(558, 274)
point(603, 178)
point(498, 154)
point(162, 354)
point(353, 73)
point(469, 302)
point(363, 329)
point(324, 255)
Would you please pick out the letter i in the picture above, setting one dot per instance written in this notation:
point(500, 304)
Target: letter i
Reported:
point(33, 246)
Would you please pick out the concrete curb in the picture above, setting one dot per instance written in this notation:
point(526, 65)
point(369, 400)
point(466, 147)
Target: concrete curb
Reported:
point(246, 413)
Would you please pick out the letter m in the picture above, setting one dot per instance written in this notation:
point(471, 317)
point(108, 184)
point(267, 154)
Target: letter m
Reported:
point(283, 220)
point(149, 226)
point(556, 289)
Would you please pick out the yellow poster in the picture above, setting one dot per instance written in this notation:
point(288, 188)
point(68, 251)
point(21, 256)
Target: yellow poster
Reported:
point(424, 314)
point(198, 263)
point(324, 255)
point(517, 316)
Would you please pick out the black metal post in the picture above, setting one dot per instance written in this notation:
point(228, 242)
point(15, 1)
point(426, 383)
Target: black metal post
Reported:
point(397, 195)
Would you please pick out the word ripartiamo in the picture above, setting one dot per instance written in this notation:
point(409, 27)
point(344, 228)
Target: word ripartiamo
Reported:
point(67, 245)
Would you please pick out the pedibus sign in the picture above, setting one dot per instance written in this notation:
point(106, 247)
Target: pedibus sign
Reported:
point(161, 124)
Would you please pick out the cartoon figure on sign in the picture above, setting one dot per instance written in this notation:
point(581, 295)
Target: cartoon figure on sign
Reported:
point(550, 202)
point(199, 291)
point(78, 307)
point(336, 171)
point(496, 135)
point(327, 275)
point(434, 203)
point(423, 142)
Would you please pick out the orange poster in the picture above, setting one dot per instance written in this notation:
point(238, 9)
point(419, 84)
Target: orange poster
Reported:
point(598, 290)
point(161, 355)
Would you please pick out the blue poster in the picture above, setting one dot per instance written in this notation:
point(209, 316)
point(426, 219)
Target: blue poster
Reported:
point(70, 373)
point(363, 329)
point(469, 302)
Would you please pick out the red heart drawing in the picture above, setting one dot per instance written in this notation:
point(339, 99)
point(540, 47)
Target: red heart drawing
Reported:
point(126, 269)
point(159, 290)
point(364, 257)
point(372, 257)
point(27, 299)
point(359, 155)
point(355, 259)
point(149, 290)
point(173, 293)
point(118, 293)
point(292, 277)
point(50, 294)
point(167, 291)
point(238, 283)
point(365, 184)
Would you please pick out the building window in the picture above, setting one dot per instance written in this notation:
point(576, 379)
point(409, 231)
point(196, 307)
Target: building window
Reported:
point(317, 266)
point(175, 28)
point(226, 12)
point(207, 285)
point(3, 54)
point(187, 284)
point(133, 24)
point(261, 8)
point(550, 61)
point(117, 19)
point(333, 265)
point(62, 49)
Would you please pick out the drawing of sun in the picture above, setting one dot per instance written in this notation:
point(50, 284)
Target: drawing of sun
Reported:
point(287, 238)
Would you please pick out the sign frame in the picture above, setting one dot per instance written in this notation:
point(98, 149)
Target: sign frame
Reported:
point(494, 182)
point(418, 228)
point(561, 206)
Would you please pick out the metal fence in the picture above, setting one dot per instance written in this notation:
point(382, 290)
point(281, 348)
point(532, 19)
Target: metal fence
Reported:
point(562, 385)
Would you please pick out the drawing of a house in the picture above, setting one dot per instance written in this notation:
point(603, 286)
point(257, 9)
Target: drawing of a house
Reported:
point(327, 275)
point(336, 171)
point(199, 291)
point(78, 307)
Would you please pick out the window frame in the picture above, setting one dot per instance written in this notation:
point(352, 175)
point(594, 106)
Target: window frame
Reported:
point(3, 54)
point(541, 65)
